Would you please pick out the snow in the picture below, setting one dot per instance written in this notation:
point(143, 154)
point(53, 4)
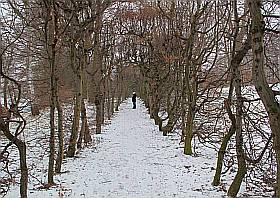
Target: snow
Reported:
point(131, 158)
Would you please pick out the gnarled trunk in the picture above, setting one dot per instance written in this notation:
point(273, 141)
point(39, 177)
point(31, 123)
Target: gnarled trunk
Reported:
point(22, 154)
point(266, 94)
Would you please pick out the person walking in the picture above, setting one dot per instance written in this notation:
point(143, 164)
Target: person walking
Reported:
point(134, 100)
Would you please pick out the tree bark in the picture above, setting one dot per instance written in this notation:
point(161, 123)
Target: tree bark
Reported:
point(98, 67)
point(51, 30)
point(119, 91)
point(266, 94)
point(242, 167)
point(60, 154)
point(235, 68)
point(226, 139)
point(98, 116)
point(109, 97)
point(52, 122)
point(83, 126)
point(189, 131)
point(76, 120)
point(113, 100)
point(87, 136)
point(235, 62)
point(190, 81)
point(22, 154)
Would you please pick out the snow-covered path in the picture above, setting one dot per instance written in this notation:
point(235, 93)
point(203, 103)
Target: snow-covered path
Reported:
point(133, 160)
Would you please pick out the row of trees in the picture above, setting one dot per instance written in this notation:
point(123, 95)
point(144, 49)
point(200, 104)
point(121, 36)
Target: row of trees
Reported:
point(222, 58)
point(205, 68)
point(62, 49)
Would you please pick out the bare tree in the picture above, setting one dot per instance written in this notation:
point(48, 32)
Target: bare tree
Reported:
point(7, 118)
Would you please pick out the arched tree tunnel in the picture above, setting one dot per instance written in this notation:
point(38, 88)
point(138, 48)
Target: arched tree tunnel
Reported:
point(208, 70)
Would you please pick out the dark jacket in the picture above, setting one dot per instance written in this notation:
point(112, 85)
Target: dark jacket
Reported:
point(134, 98)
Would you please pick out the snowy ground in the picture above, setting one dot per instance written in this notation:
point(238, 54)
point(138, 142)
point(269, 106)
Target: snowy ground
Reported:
point(133, 160)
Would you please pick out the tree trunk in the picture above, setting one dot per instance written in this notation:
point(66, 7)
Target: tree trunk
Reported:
point(156, 104)
point(192, 98)
point(76, 120)
point(145, 93)
point(188, 126)
point(5, 93)
point(98, 117)
point(242, 167)
point(60, 154)
point(266, 94)
point(226, 139)
point(83, 91)
point(189, 132)
point(236, 59)
point(23, 168)
point(78, 98)
point(103, 106)
point(51, 41)
point(235, 68)
point(170, 124)
point(83, 126)
point(151, 102)
point(183, 111)
point(98, 67)
point(171, 114)
point(113, 101)
point(87, 136)
point(108, 103)
point(119, 92)
point(158, 120)
point(221, 154)
point(4, 127)
point(22, 154)
point(52, 124)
